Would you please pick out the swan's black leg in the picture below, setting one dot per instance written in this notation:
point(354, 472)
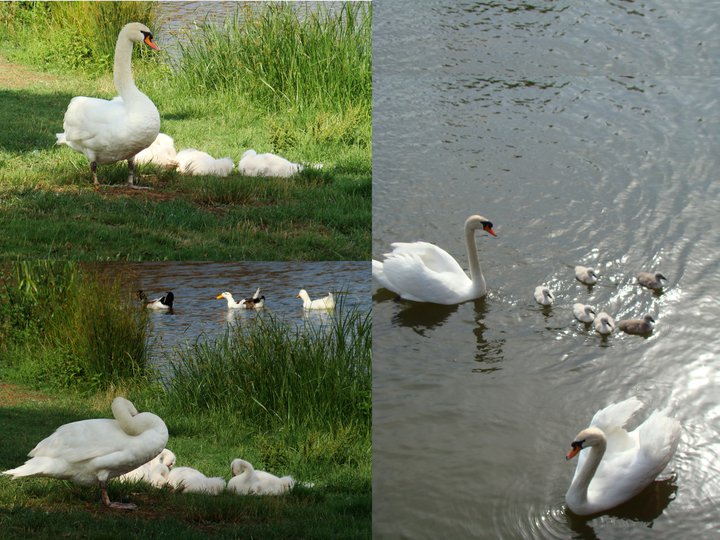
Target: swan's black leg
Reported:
point(93, 168)
point(131, 172)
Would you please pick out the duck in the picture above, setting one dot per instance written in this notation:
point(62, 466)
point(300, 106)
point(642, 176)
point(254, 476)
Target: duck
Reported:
point(583, 312)
point(165, 302)
point(247, 481)
point(544, 296)
point(93, 451)
point(161, 152)
point(424, 272)
point(614, 465)
point(189, 480)
point(604, 324)
point(107, 131)
point(154, 471)
point(256, 301)
point(641, 327)
point(651, 280)
point(327, 302)
point(586, 275)
point(253, 164)
point(199, 163)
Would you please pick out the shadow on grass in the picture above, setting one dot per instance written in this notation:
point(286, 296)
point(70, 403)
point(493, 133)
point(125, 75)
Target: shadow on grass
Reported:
point(30, 119)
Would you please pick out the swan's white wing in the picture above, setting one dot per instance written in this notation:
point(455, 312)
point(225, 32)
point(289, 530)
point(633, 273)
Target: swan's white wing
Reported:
point(83, 440)
point(88, 121)
point(432, 256)
point(615, 415)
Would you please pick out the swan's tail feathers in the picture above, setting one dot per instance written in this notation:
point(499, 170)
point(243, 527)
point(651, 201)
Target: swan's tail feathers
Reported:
point(39, 466)
point(659, 436)
point(286, 483)
point(60, 138)
point(616, 415)
point(378, 273)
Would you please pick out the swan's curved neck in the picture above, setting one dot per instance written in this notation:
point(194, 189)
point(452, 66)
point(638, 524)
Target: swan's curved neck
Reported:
point(476, 274)
point(122, 73)
point(579, 486)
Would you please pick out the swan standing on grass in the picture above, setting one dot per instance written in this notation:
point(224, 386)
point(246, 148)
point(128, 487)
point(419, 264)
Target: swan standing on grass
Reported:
point(165, 302)
point(321, 303)
point(95, 450)
point(189, 480)
point(106, 131)
point(583, 312)
point(255, 302)
point(651, 280)
point(586, 275)
point(640, 327)
point(423, 272)
point(615, 465)
point(604, 324)
point(247, 481)
point(199, 163)
point(544, 296)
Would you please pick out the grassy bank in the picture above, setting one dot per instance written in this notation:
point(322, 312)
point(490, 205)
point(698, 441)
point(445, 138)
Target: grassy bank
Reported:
point(291, 401)
point(301, 90)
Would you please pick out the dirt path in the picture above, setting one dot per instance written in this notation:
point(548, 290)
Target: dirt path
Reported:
point(11, 394)
point(17, 76)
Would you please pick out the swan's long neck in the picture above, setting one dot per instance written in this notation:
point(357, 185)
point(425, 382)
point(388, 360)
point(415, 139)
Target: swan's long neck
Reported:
point(579, 486)
point(476, 274)
point(122, 73)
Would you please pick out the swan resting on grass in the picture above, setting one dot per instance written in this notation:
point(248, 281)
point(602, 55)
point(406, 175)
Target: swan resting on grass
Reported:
point(247, 481)
point(327, 302)
point(254, 164)
point(93, 451)
point(256, 301)
point(106, 131)
point(153, 472)
point(189, 480)
point(424, 272)
point(198, 163)
point(165, 302)
point(615, 465)
point(161, 152)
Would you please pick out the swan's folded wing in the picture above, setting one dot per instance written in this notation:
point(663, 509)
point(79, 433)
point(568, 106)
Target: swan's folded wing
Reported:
point(658, 438)
point(89, 119)
point(432, 256)
point(616, 415)
point(81, 441)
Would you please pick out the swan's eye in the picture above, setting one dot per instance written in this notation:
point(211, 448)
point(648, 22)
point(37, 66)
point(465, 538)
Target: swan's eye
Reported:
point(577, 444)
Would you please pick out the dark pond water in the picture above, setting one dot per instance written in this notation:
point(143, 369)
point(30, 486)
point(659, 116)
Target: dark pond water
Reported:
point(588, 133)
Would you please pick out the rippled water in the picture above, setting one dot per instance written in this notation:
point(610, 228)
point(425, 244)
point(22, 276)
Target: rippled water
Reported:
point(587, 132)
point(198, 315)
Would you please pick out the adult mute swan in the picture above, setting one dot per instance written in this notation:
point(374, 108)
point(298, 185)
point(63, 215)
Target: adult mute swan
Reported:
point(641, 327)
point(95, 450)
point(583, 312)
point(586, 275)
point(161, 152)
point(651, 280)
point(247, 481)
point(615, 465)
point(109, 131)
point(327, 302)
point(199, 163)
point(544, 296)
point(189, 480)
point(254, 164)
point(256, 301)
point(165, 302)
point(423, 272)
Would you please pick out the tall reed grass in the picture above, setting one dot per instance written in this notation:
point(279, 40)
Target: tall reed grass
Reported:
point(273, 374)
point(69, 326)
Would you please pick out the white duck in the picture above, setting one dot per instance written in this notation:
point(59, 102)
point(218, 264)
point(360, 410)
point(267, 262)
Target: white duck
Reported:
point(604, 324)
point(544, 296)
point(586, 275)
point(199, 163)
point(189, 480)
point(95, 450)
point(256, 301)
point(106, 131)
point(165, 302)
point(641, 327)
point(583, 312)
point(651, 280)
point(328, 302)
point(254, 164)
point(247, 481)
point(161, 152)
point(154, 471)
point(615, 465)
point(423, 272)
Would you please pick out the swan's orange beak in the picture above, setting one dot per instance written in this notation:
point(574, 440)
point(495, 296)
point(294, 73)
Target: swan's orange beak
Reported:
point(488, 229)
point(574, 452)
point(150, 43)
point(218, 297)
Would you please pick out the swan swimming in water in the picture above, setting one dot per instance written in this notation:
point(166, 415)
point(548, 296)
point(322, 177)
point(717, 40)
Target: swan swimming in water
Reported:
point(651, 280)
point(327, 302)
point(106, 131)
point(544, 296)
point(586, 275)
point(424, 272)
point(641, 327)
point(583, 312)
point(165, 302)
point(615, 465)
point(93, 451)
point(604, 324)
point(256, 301)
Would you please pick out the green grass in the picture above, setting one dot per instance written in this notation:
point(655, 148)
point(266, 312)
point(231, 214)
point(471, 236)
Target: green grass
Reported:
point(49, 209)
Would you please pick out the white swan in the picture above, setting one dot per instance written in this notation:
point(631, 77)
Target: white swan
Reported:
point(651, 280)
point(586, 275)
point(90, 451)
point(161, 152)
point(165, 302)
point(247, 481)
point(189, 480)
point(641, 327)
point(615, 465)
point(423, 272)
point(254, 164)
point(604, 324)
point(154, 471)
point(544, 296)
point(327, 302)
point(256, 301)
point(109, 131)
point(199, 163)
point(583, 312)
